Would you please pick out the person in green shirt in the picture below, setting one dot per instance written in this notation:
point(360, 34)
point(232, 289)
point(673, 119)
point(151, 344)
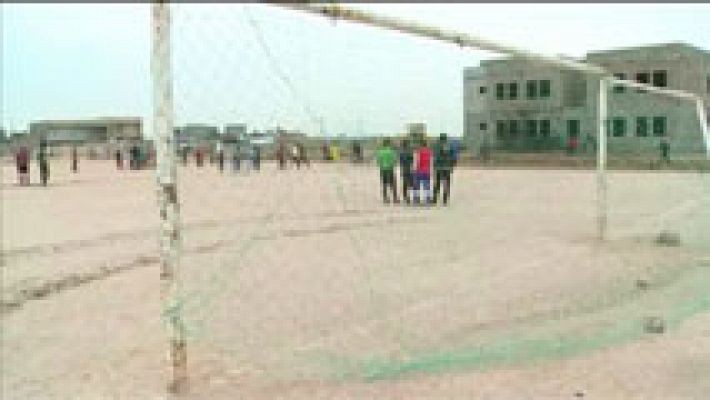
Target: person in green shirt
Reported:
point(386, 159)
point(444, 159)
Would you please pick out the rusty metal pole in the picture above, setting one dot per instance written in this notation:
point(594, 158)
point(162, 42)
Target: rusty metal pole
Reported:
point(167, 195)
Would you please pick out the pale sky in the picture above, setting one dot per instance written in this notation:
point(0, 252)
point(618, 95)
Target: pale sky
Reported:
point(62, 61)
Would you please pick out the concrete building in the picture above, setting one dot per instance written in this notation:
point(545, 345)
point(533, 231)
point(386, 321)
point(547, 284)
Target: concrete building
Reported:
point(194, 135)
point(87, 131)
point(517, 105)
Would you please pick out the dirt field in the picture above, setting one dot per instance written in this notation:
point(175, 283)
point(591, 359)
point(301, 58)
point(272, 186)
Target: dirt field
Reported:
point(303, 285)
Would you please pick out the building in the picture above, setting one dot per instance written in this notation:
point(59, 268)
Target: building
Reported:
point(86, 131)
point(416, 129)
point(518, 105)
point(194, 135)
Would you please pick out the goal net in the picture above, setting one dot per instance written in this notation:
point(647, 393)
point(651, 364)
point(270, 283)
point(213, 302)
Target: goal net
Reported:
point(302, 276)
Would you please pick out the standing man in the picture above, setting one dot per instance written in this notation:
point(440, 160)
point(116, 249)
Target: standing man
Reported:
point(74, 160)
point(665, 148)
point(119, 158)
point(220, 157)
point(444, 160)
point(236, 158)
point(385, 160)
point(326, 151)
point(303, 155)
point(423, 172)
point(22, 162)
point(199, 157)
point(43, 161)
point(281, 155)
point(295, 156)
point(406, 161)
point(256, 157)
point(184, 155)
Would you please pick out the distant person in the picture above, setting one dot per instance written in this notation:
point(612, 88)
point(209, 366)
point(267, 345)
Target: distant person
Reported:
point(236, 158)
point(199, 157)
point(335, 153)
point(357, 152)
point(220, 160)
point(422, 162)
point(184, 154)
point(43, 161)
point(74, 160)
point(133, 157)
point(325, 149)
point(22, 162)
point(665, 148)
point(406, 161)
point(303, 155)
point(119, 158)
point(295, 156)
point(281, 155)
point(256, 157)
point(444, 161)
point(385, 161)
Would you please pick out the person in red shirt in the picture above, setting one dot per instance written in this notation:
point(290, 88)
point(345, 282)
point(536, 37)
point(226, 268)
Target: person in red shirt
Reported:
point(422, 171)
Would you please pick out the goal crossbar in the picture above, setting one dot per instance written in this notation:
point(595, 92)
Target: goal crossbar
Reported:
point(336, 11)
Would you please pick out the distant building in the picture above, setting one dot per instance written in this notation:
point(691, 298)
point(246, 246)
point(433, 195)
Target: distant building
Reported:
point(86, 131)
point(193, 135)
point(519, 105)
point(416, 130)
point(235, 130)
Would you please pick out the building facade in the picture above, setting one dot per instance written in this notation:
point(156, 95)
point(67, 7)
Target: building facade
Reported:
point(518, 105)
point(86, 131)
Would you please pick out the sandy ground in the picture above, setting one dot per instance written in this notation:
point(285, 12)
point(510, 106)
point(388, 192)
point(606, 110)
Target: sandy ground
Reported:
point(303, 285)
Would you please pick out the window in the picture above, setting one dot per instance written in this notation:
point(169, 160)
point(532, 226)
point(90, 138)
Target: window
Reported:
point(482, 90)
point(545, 128)
point(545, 88)
point(513, 128)
point(531, 127)
point(619, 88)
point(660, 78)
point(659, 126)
point(618, 127)
point(513, 90)
point(531, 89)
point(573, 128)
point(483, 126)
point(642, 77)
point(500, 91)
point(641, 126)
point(500, 129)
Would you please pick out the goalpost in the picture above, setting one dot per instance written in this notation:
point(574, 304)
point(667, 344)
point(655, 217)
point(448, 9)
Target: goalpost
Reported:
point(163, 127)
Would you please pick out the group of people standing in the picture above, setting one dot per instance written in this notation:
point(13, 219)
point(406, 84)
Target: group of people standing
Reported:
point(416, 166)
point(219, 157)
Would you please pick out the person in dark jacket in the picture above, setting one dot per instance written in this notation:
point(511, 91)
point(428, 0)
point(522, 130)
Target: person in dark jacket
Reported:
point(74, 160)
point(444, 160)
point(43, 161)
point(406, 161)
point(665, 148)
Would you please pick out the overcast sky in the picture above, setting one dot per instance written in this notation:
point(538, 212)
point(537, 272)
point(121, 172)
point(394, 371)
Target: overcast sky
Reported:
point(66, 61)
